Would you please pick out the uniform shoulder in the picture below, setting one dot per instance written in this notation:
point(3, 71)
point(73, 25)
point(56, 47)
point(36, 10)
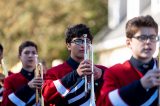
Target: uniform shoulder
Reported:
point(102, 67)
point(13, 77)
point(58, 71)
point(120, 65)
point(58, 68)
point(119, 69)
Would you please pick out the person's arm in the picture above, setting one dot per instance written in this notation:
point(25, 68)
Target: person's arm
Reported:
point(54, 90)
point(98, 76)
point(98, 73)
point(113, 93)
point(109, 93)
point(131, 94)
point(7, 90)
point(139, 92)
point(20, 97)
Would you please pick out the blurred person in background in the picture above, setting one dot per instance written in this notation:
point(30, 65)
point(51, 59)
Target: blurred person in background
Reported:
point(2, 76)
point(19, 88)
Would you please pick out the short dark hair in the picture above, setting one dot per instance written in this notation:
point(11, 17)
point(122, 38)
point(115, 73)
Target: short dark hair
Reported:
point(134, 24)
point(1, 48)
point(77, 31)
point(26, 44)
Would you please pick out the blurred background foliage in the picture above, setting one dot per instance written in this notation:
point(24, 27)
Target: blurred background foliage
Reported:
point(44, 22)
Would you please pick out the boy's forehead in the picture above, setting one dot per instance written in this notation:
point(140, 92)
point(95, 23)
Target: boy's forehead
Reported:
point(147, 30)
point(29, 48)
point(81, 37)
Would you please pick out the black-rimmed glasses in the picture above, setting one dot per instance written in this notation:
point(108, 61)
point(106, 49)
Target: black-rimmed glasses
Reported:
point(142, 38)
point(80, 41)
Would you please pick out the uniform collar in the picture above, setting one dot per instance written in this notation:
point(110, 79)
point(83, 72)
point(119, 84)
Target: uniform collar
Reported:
point(142, 67)
point(27, 74)
point(73, 63)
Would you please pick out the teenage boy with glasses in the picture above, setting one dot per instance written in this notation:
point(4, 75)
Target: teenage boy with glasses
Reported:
point(134, 83)
point(64, 84)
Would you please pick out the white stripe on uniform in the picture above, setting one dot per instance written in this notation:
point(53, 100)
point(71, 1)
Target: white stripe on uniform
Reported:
point(60, 88)
point(16, 100)
point(115, 99)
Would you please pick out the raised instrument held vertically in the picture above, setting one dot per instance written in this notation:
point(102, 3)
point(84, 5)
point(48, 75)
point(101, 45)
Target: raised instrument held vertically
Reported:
point(89, 85)
point(5, 70)
point(39, 73)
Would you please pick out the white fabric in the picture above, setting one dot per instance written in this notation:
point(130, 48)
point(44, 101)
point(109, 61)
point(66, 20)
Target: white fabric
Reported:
point(115, 99)
point(77, 87)
point(1, 90)
point(1, 98)
point(76, 98)
point(16, 100)
point(60, 88)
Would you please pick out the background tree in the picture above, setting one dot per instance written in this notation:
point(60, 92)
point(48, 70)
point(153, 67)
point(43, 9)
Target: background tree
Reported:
point(45, 21)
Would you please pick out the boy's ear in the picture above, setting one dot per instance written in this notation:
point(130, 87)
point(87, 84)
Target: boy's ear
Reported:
point(19, 57)
point(128, 42)
point(68, 46)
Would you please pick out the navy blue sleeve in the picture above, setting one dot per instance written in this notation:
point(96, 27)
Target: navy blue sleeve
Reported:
point(98, 83)
point(24, 93)
point(133, 93)
point(70, 79)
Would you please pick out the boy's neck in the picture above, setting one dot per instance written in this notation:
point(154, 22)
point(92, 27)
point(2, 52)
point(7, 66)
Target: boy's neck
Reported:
point(29, 69)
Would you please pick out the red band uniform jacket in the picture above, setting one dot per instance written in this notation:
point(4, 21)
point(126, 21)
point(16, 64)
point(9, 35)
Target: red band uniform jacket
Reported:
point(16, 90)
point(122, 86)
point(64, 87)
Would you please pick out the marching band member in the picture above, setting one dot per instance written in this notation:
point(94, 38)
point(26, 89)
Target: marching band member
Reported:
point(2, 76)
point(134, 83)
point(19, 88)
point(64, 84)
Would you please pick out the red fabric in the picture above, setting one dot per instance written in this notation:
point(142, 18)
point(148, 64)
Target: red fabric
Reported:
point(116, 77)
point(11, 84)
point(49, 91)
